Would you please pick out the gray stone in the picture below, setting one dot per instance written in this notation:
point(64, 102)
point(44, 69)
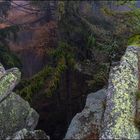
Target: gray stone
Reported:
point(2, 70)
point(8, 80)
point(89, 120)
point(121, 99)
point(116, 120)
point(15, 112)
point(32, 135)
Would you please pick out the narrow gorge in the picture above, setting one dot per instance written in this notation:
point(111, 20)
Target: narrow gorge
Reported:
point(69, 69)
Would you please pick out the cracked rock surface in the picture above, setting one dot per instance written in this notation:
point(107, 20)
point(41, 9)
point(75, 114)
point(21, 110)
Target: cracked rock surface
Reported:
point(15, 113)
point(116, 119)
point(121, 98)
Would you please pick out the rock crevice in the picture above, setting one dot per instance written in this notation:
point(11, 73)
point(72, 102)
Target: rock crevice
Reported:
point(119, 104)
point(121, 98)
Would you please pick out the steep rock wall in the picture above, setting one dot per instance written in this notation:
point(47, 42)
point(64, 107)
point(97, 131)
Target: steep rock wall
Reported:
point(121, 98)
point(119, 103)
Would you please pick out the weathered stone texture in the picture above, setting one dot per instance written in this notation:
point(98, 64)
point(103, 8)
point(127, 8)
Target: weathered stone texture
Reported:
point(8, 80)
point(120, 107)
point(29, 135)
point(89, 120)
point(15, 113)
point(121, 98)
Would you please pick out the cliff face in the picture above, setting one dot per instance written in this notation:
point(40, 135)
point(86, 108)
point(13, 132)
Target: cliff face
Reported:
point(119, 104)
point(121, 98)
point(17, 119)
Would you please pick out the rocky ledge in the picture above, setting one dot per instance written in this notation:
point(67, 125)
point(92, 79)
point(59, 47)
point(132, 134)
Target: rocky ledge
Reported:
point(110, 113)
point(17, 119)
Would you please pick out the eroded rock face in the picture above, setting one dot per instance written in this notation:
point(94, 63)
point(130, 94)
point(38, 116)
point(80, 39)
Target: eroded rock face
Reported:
point(116, 119)
point(8, 80)
point(88, 122)
point(15, 113)
point(121, 98)
point(32, 135)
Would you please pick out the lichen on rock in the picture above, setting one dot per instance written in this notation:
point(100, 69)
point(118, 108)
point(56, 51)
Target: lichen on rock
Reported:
point(121, 98)
point(8, 81)
point(134, 40)
point(118, 115)
point(15, 113)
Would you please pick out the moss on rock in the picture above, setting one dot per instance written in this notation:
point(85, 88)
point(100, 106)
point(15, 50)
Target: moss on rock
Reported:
point(134, 40)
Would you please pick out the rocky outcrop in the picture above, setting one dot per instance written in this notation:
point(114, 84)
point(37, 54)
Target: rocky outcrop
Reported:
point(15, 113)
point(8, 81)
point(88, 123)
point(121, 98)
point(25, 134)
point(117, 121)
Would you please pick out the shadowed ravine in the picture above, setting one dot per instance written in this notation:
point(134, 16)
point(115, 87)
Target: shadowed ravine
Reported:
point(69, 70)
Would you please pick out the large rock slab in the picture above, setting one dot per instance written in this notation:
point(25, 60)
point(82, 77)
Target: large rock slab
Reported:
point(15, 112)
point(121, 98)
point(8, 80)
point(88, 123)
